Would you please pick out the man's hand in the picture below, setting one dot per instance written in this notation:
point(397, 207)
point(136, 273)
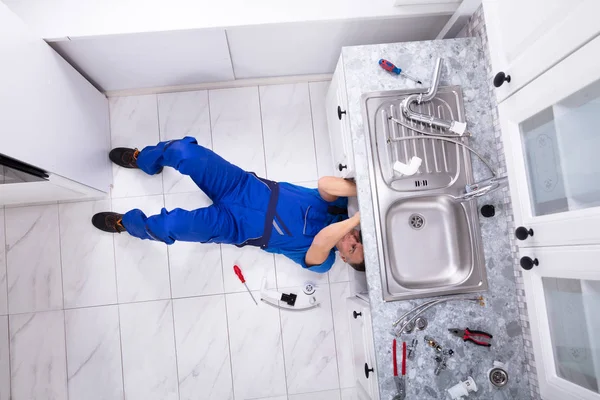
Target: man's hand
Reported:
point(327, 238)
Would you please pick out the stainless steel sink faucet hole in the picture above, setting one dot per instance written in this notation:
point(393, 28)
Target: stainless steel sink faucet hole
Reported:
point(416, 221)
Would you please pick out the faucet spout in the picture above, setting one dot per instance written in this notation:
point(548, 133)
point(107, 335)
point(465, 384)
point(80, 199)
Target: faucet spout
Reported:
point(454, 126)
point(484, 187)
point(435, 82)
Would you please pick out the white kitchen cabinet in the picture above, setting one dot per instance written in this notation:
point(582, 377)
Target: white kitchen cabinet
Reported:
point(549, 115)
point(151, 59)
point(363, 349)
point(52, 119)
point(338, 123)
point(527, 37)
point(55, 188)
point(551, 135)
point(563, 298)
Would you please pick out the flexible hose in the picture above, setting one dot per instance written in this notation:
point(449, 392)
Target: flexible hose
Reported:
point(428, 135)
point(422, 308)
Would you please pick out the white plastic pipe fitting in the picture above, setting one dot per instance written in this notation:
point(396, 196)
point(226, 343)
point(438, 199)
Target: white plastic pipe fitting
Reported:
point(462, 389)
point(408, 169)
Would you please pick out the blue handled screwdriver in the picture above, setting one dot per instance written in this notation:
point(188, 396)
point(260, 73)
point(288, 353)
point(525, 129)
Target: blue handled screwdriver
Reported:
point(388, 66)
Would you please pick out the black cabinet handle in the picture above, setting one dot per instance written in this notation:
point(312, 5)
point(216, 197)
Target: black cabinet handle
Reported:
point(356, 314)
point(341, 167)
point(367, 370)
point(527, 263)
point(523, 233)
point(500, 78)
point(340, 112)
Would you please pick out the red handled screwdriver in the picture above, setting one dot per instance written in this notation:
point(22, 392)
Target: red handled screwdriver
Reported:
point(239, 274)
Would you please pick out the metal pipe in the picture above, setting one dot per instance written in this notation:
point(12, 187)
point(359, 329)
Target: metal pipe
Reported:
point(445, 139)
point(423, 309)
point(454, 126)
point(435, 81)
point(396, 322)
point(448, 135)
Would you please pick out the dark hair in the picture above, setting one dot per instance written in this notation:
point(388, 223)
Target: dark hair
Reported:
point(358, 266)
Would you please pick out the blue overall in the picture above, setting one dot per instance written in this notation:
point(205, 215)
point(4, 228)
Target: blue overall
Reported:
point(280, 218)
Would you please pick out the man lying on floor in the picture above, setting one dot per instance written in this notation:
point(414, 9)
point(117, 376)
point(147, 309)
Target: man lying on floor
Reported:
point(305, 225)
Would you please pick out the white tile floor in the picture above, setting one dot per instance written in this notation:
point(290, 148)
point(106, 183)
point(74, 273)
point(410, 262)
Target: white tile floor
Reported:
point(92, 316)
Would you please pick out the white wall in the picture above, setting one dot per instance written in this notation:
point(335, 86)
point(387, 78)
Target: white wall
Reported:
point(151, 59)
point(51, 117)
point(154, 59)
point(314, 47)
point(77, 18)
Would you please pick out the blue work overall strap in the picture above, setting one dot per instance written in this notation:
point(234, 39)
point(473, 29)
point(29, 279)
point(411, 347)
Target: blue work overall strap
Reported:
point(263, 241)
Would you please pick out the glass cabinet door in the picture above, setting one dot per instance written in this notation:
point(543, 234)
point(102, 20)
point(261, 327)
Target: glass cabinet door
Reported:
point(563, 306)
point(561, 145)
point(572, 306)
point(551, 134)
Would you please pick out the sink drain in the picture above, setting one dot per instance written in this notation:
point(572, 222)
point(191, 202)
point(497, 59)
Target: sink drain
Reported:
point(416, 221)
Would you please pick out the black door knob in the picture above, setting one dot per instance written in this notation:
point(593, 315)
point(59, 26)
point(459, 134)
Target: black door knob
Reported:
point(342, 167)
point(523, 233)
point(356, 314)
point(367, 370)
point(527, 263)
point(340, 112)
point(500, 78)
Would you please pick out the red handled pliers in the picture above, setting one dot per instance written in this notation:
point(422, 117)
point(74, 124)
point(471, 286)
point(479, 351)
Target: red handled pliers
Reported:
point(478, 337)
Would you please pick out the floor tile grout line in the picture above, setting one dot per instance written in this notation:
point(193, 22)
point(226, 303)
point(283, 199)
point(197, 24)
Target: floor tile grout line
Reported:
point(335, 342)
point(210, 127)
point(121, 351)
point(312, 121)
point(3, 227)
point(298, 286)
point(287, 390)
point(229, 346)
point(175, 347)
point(118, 309)
point(62, 289)
point(262, 131)
point(164, 204)
point(5, 252)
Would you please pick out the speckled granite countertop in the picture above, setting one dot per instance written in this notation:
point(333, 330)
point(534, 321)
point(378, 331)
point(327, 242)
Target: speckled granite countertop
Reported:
point(463, 65)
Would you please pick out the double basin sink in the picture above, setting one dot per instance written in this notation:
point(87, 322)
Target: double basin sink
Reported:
point(429, 241)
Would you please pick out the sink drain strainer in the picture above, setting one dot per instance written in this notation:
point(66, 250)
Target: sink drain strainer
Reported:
point(416, 221)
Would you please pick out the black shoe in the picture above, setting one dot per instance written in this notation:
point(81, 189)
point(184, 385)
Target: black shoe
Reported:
point(124, 157)
point(109, 222)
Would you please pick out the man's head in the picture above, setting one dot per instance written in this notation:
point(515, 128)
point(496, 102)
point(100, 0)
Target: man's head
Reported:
point(351, 249)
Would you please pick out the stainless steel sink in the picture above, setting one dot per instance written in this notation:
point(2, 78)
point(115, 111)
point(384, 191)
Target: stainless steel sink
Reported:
point(429, 242)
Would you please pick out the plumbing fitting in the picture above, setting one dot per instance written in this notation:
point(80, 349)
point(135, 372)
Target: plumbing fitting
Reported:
point(441, 365)
point(441, 356)
point(462, 389)
point(432, 343)
point(411, 349)
point(420, 323)
point(409, 328)
point(442, 361)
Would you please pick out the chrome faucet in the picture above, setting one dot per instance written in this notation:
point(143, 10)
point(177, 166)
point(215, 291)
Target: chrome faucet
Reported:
point(482, 188)
point(459, 128)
